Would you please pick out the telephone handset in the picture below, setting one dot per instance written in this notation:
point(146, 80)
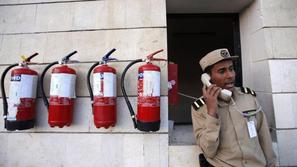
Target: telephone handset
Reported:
point(224, 94)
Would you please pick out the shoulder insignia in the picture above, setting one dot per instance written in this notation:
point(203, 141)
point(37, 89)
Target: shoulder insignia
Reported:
point(247, 90)
point(198, 103)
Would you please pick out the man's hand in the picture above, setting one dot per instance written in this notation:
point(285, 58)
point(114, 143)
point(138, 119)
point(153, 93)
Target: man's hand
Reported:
point(210, 95)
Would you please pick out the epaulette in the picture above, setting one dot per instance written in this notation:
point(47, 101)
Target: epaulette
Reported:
point(198, 103)
point(247, 90)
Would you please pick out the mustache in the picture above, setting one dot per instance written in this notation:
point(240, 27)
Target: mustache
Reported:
point(230, 80)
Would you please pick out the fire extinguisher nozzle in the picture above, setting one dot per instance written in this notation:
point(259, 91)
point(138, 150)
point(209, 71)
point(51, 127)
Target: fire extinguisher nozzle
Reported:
point(135, 124)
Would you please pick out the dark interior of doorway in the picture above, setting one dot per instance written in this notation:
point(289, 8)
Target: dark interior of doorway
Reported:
point(190, 37)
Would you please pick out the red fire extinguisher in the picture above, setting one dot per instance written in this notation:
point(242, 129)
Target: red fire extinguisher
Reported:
point(62, 93)
point(104, 97)
point(19, 112)
point(148, 96)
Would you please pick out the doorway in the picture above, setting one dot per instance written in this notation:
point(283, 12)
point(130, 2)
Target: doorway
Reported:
point(190, 37)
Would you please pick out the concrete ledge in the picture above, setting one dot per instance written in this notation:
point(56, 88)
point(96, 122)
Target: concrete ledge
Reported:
point(184, 156)
point(181, 135)
point(112, 150)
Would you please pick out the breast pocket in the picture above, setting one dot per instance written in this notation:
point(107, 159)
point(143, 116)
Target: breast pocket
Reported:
point(227, 133)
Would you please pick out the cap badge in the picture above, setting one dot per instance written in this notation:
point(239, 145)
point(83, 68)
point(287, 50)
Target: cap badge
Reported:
point(224, 53)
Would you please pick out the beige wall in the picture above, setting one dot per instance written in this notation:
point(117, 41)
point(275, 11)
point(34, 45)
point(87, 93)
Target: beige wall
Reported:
point(184, 155)
point(268, 42)
point(135, 28)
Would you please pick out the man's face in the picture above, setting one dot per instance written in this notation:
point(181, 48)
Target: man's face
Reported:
point(223, 74)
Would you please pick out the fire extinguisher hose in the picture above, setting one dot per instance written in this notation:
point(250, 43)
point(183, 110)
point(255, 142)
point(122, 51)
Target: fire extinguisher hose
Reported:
point(132, 113)
point(89, 82)
point(5, 106)
point(45, 101)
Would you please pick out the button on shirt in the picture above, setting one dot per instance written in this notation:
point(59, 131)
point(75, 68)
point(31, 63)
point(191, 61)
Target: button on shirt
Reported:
point(225, 140)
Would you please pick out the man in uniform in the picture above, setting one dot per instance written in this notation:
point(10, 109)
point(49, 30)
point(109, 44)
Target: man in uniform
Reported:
point(230, 132)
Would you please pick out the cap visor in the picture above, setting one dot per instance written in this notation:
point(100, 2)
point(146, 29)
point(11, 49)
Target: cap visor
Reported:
point(231, 58)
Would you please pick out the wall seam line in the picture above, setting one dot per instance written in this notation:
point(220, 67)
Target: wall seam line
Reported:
point(47, 2)
point(84, 30)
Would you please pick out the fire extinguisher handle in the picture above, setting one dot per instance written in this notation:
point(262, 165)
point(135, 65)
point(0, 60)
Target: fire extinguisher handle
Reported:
point(41, 83)
point(89, 81)
point(150, 56)
point(31, 57)
point(105, 58)
point(132, 113)
point(5, 106)
point(66, 58)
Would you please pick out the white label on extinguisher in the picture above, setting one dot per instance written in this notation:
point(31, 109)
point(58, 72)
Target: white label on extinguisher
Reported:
point(21, 86)
point(63, 85)
point(104, 84)
point(14, 97)
point(151, 83)
point(28, 86)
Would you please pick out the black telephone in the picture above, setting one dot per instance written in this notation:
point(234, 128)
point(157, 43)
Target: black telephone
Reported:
point(224, 94)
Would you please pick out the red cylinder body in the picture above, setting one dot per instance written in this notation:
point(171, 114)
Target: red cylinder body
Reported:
point(104, 106)
point(62, 95)
point(22, 95)
point(148, 101)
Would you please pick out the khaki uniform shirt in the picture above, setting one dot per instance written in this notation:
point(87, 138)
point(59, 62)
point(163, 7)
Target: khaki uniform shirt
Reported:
point(225, 140)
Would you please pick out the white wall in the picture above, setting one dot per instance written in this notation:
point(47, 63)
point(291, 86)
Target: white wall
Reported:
point(268, 41)
point(182, 156)
point(53, 29)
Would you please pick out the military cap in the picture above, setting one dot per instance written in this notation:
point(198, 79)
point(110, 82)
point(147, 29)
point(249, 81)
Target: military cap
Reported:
point(215, 56)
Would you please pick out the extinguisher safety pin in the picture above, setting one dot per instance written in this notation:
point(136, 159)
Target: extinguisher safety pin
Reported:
point(26, 60)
